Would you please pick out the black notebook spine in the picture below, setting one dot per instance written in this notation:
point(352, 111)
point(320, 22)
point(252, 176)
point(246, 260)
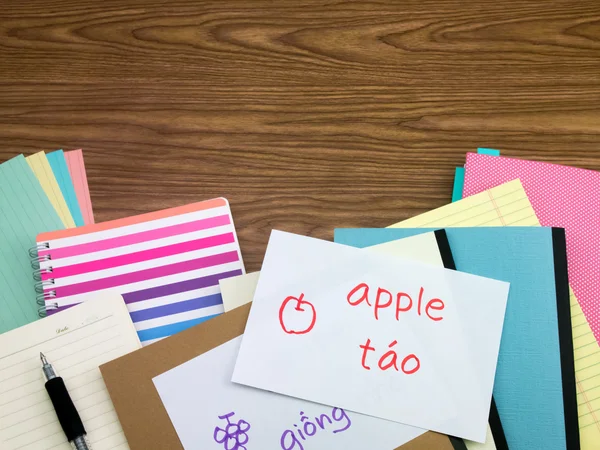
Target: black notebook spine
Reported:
point(496, 428)
point(565, 333)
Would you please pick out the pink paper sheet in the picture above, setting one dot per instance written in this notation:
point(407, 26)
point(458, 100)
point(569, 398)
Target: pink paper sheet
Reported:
point(562, 196)
point(76, 167)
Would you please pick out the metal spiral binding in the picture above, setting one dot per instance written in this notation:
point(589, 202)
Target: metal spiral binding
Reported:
point(40, 299)
point(33, 251)
point(38, 272)
point(36, 263)
point(41, 285)
point(43, 310)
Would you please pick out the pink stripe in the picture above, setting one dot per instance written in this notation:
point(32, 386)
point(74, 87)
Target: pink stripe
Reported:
point(144, 255)
point(136, 238)
point(133, 220)
point(143, 275)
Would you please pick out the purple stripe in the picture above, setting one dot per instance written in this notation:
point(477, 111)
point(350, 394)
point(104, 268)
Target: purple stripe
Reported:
point(176, 308)
point(175, 288)
point(147, 274)
point(49, 312)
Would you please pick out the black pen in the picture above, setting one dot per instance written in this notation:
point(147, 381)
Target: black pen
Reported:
point(63, 405)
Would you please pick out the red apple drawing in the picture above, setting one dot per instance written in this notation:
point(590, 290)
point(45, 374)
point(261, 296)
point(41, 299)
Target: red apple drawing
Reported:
point(296, 315)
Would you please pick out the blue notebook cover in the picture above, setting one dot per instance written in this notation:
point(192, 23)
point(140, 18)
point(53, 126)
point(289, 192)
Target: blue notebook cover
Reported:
point(534, 388)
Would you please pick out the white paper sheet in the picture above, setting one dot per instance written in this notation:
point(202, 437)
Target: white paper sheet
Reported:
point(311, 349)
point(190, 403)
point(274, 421)
point(239, 290)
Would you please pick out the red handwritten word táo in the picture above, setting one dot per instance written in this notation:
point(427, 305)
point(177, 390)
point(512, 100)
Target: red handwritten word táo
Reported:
point(403, 303)
point(409, 364)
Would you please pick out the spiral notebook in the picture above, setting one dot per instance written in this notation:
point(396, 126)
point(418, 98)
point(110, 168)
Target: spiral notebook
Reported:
point(166, 265)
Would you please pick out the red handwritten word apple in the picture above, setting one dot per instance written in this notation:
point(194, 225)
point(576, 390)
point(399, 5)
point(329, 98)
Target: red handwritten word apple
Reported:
point(384, 299)
point(296, 315)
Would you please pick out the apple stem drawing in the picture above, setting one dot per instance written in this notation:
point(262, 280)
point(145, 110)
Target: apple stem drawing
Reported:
point(289, 312)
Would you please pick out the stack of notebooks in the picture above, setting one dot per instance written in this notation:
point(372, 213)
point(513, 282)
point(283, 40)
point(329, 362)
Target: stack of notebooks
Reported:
point(473, 326)
point(38, 193)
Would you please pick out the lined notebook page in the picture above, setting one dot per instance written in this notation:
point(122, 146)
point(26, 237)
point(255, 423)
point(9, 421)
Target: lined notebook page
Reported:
point(75, 342)
point(505, 205)
point(78, 175)
point(41, 167)
point(508, 205)
point(25, 211)
point(587, 376)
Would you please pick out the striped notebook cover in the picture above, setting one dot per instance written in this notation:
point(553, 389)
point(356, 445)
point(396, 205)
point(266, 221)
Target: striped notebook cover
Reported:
point(166, 265)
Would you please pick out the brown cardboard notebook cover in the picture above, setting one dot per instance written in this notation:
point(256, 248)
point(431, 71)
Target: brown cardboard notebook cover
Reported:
point(144, 419)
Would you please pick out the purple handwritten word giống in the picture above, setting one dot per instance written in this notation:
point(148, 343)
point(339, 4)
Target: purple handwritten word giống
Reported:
point(293, 439)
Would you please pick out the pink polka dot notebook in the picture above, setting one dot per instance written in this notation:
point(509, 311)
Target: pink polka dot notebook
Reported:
point(562, 196)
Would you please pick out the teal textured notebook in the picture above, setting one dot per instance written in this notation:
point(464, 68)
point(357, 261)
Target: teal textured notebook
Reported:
point(534, 387)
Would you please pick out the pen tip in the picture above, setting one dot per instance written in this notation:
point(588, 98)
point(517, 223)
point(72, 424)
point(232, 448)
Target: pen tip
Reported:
point(43, 358)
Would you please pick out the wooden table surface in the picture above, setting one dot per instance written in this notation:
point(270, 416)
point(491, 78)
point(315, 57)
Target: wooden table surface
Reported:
point(307, 114)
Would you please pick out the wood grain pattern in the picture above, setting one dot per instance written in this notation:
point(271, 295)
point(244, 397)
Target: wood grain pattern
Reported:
point(307, 114)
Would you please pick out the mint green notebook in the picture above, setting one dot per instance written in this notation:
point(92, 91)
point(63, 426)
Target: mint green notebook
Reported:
point(25, 211)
